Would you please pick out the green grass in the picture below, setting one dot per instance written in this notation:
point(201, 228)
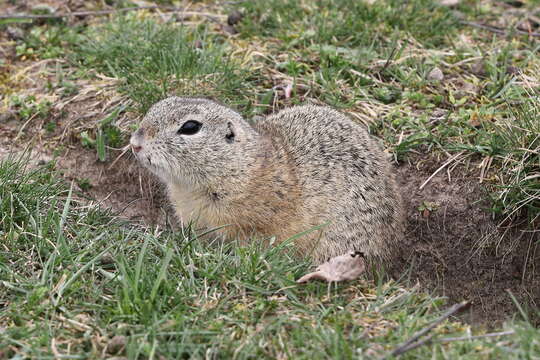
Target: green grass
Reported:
point(519, 191)
point(330, 46)
point(347, 23)
point(47, 42)
point(29, 108)
point(154, 60)
point(72, 277)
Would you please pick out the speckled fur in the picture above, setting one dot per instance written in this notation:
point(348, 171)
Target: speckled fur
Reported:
point(301, 168)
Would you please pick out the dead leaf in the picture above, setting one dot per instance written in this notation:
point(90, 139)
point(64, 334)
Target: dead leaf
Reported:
point(340, 268)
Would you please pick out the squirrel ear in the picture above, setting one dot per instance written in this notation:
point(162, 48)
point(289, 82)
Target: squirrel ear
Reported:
point(229, 137)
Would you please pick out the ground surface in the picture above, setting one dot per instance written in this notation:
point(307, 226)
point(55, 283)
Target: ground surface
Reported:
point(73, 91)
point(459, 250)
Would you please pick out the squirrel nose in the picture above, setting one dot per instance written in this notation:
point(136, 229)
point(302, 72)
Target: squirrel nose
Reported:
point(136, 148)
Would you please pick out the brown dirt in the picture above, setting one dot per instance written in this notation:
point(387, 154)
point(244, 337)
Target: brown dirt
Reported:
point(124, 188)
point(458, 249)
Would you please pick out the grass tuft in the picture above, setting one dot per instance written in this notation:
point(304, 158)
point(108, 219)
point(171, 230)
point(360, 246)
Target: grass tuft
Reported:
point(348, 23)
point(155, 60)
point(519, 190)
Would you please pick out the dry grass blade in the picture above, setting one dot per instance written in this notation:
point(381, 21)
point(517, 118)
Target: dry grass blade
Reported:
point(499, 31)
point(448, 162)
point(464, 338)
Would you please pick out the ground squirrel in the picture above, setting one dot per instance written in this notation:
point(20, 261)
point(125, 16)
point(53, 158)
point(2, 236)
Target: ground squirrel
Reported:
point(306, 167)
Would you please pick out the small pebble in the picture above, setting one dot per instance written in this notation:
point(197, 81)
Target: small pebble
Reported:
point(117, 344)
point(479, 68)
point(107, 259)
point(234, 17)
point(198, 44)
point(7, 116)
point(450, 3)
point(435, 74)
point(14, 33)
point(512, 70)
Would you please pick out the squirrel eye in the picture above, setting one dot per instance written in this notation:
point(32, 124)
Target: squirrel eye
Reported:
point(190, 127)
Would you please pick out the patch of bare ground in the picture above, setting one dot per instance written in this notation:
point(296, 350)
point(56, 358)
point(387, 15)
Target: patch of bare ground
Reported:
point(119, 183)
point(125, 188)
point(455, 247)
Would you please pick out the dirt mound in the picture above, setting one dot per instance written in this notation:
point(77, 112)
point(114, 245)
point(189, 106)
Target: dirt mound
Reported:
point(123, 186)
point(456, 249)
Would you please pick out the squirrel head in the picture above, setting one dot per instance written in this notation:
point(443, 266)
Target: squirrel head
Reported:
point(192, 141)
